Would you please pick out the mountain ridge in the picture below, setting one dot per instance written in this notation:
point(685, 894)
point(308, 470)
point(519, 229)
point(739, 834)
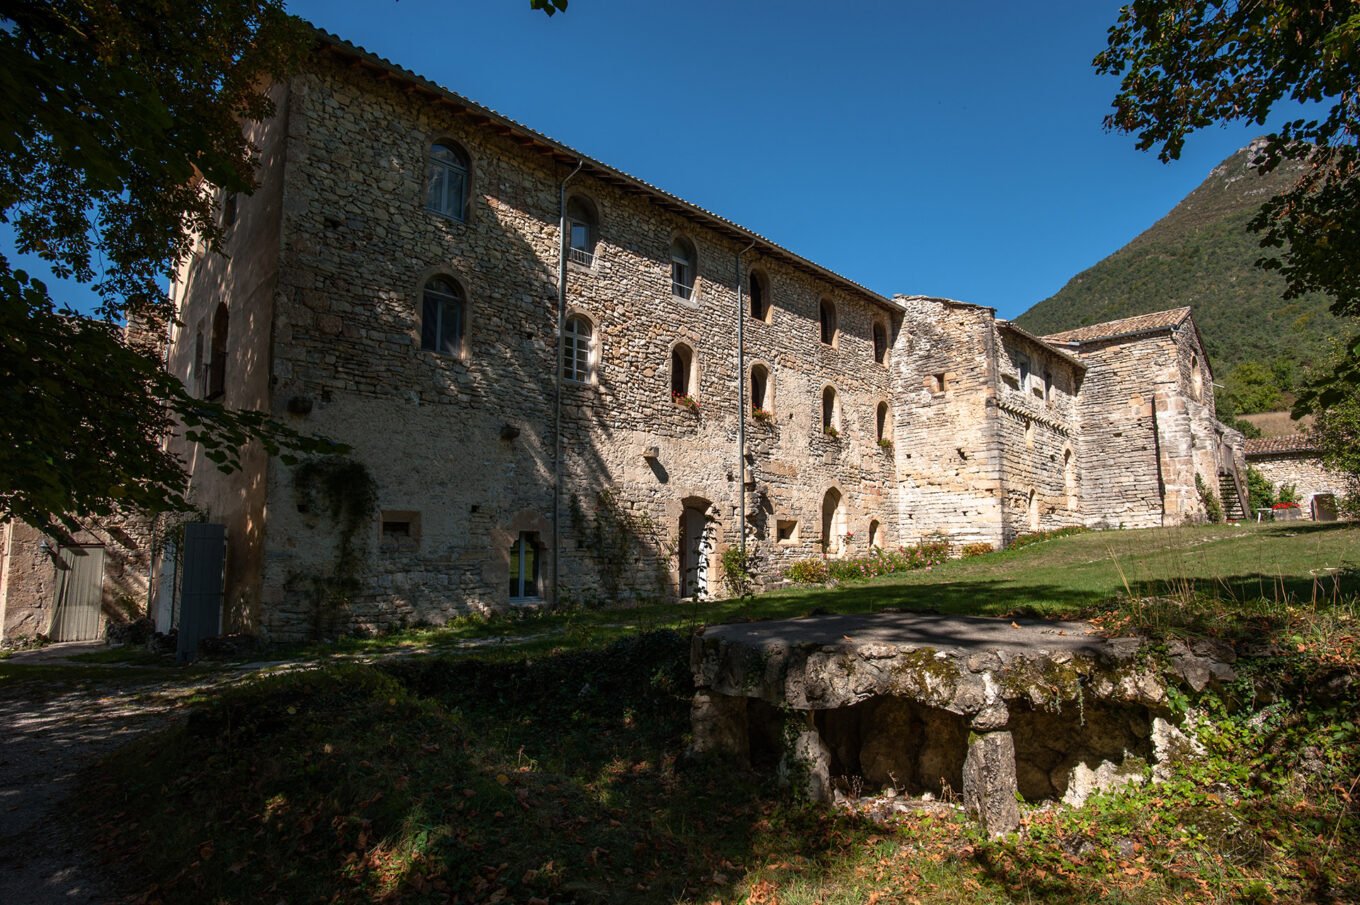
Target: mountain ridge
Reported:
point(1201, 254)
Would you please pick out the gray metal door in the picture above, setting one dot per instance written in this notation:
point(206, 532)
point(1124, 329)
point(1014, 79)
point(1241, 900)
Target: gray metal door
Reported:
point(200, 607)
point(80, 593)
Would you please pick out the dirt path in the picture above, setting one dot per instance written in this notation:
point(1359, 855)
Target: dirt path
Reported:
point(50, 730)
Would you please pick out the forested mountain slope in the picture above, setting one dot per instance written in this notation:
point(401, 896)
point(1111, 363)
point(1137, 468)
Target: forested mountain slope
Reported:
point(1201, 254)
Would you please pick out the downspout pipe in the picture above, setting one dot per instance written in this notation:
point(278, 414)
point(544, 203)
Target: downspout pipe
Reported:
point(557, 380)
point(741, 403)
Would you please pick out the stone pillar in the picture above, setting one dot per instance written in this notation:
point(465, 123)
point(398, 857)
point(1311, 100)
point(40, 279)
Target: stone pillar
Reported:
point(807, 762)
point(719, 724)
point(989, 789)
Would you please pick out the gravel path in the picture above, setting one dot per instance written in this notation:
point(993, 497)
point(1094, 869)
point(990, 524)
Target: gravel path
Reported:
point(49, 732)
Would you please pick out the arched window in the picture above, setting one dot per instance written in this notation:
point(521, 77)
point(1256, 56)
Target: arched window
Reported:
point(578, 349)
point(875, 535)
point(828, 318)
point(447, 183)
point(682, 372)
point(760, 391)
point(582, 228)
point(833, 523)
point(217, 362)
point(441, 317)
point(759, 287)
point(831, 416)
point(1196, 379)
point(880, 342)
point(684, 265)
point(883, 427)
point(1033, 510)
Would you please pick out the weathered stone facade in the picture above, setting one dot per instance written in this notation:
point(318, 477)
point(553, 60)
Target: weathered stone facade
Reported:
point(863, 420)
point(1293, 461)
point(33, 566)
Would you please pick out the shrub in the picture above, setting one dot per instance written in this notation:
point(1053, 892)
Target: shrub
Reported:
point(923, 555)
point(981, 548)
point(1213, 509)
point(1260, 492)
point(1025, 540)
point(1289, 494)
point(808, 571)
point(737, 572)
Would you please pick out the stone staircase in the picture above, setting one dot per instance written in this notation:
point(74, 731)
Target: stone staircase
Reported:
point(1231, 495)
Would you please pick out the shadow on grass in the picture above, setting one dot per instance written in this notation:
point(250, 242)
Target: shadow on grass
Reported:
point(554, 779)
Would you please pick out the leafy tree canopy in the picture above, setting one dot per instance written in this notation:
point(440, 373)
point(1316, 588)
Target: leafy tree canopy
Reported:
point(1187, 64)
point(119, 120)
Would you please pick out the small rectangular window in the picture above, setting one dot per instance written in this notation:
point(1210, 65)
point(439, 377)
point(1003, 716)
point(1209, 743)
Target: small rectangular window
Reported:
point(786, 531)
point(399, 530)
point(938, 383)
point(1022, 363)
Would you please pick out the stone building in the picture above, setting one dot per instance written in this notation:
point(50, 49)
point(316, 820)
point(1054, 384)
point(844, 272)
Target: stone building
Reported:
point(1293, 461)
point(558, 382)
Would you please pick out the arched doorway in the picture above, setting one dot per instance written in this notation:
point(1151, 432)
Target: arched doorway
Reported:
point(833, 523)
point(697, 534)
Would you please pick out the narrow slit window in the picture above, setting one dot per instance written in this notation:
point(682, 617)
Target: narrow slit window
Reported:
point(524, 567)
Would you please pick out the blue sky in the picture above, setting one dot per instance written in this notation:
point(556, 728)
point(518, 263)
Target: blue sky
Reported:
point(948, 148)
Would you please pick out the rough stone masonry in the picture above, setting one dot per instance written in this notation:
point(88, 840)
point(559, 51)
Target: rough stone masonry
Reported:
point(993, 709)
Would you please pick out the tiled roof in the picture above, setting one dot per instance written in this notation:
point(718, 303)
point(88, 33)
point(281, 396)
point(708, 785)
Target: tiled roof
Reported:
point(1139, 323)
point(385, 68)
point(1042, 343)
point(1274, 446)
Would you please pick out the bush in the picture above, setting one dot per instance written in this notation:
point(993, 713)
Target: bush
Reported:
point(878, 562)
point(1213, 509)
point(737, 572)
point(1025, 540)
point(978, 549)
point(1260, 492)
point(808, 571)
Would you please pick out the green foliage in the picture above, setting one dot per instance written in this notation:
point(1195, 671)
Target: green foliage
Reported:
point(1337, 434)
point(878, 562)
point(808, 571)
point(1185, 66)
point(1260, 492)
point(1208, 497)
point(119, 122)
point(1253, 387)
point(1037, 537)
point(737, 576)
point(1202, 254)
point(343, 490)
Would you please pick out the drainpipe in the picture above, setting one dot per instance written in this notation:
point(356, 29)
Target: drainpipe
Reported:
point(557, 380)
point(741, 404)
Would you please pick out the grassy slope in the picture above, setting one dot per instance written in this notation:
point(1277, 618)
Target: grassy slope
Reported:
point(1200, 254)
point(554, 777)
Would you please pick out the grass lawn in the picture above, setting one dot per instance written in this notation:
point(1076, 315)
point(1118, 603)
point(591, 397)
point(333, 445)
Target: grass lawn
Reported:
point(548, 768)
point(1068, 577)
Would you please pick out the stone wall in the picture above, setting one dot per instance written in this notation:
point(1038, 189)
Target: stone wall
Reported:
point(948, 441)
point(466, 443)
point(1037, 397)
point(243, 280)
point(1305, 472)
point(29, 565)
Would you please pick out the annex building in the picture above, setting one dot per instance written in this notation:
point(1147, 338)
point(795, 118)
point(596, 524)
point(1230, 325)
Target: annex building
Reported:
point(558, 382)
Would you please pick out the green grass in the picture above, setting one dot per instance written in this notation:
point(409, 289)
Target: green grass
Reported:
point(1070, 577)
point(548, 767)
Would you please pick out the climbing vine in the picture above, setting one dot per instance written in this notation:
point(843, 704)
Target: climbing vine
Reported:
point(622, 542)
point(343, 491)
